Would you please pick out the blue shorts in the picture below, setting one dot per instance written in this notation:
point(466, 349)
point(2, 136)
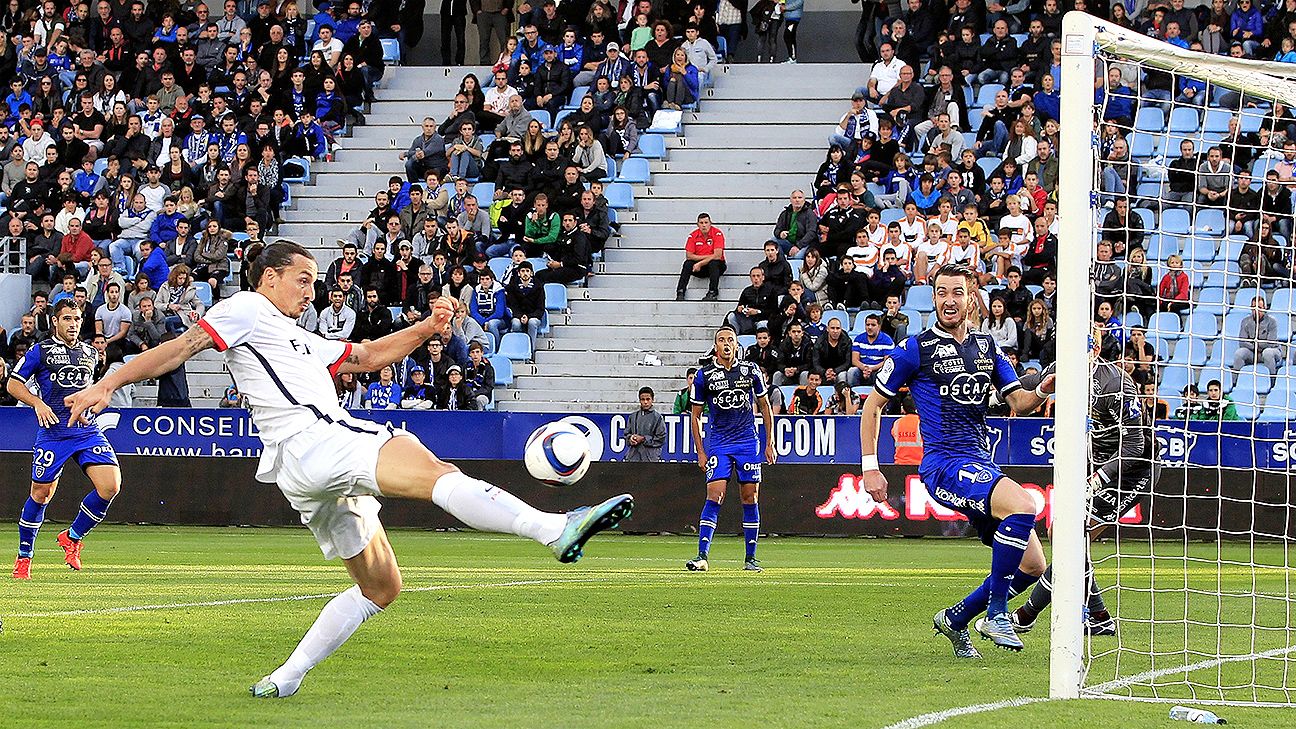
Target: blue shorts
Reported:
point(964, 484)
point(745, 465)
point(91, 448)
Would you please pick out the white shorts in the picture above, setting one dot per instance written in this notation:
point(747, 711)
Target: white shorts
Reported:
point(328, 472)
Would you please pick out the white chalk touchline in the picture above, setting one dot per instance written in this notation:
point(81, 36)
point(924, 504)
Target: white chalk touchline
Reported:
point(289, 598)
point(937, 717)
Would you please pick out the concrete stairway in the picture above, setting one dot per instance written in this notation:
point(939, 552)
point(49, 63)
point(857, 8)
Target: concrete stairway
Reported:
point(760, 133)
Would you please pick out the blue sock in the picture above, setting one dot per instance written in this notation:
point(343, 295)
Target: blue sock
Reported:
point(33, 514)
point(707, 525)
point(751, 528)
point(969, 607)
point(93, 509)
point(1009, 545)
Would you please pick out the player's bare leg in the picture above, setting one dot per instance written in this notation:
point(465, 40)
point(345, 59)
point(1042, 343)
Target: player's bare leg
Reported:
point(377, 583)
point(707, 525)
point(751, 524)
point(29, 524)
point(406, 469)
point(107, 484)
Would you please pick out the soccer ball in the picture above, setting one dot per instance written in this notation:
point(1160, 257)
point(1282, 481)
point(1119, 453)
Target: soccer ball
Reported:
point(557, 454)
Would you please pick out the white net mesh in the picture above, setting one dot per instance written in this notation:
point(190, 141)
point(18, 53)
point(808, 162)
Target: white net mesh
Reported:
point(1199, 576)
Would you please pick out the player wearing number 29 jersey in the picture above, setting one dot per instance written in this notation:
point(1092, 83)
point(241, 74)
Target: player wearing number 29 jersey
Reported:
point(60, 366)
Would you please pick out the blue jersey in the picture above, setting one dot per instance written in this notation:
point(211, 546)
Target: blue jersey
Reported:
point(384, 397)
point(59, 370)
point(951, 385)
point(729, 394)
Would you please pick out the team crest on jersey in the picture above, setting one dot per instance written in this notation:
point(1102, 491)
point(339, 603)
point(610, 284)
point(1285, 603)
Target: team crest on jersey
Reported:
point(983, 345)
point(888, 367)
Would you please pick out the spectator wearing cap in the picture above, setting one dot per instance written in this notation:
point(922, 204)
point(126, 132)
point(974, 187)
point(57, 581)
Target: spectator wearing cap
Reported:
point(479, 375)
point(337, 320)
point(645, 431)
point(854, 124)
point(453, 392)
point(614, 66)
point(488, 305)
point(553, 83)
point(417, 394)
point(703, 258)
point(525, 301)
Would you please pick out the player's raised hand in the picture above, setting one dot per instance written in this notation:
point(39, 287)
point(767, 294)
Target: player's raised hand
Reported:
point(44, 416)
point(93, 399)
point(875, 484)
point(443, 310)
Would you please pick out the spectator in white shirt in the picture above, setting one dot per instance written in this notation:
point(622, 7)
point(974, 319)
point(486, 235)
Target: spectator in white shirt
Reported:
point(885, 75)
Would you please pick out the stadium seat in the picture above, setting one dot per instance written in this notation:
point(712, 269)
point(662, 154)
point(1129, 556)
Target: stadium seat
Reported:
point(1173, 380)
point(1149, 119)
point(515, 346)
point(921, 299)
point(1280, 403)
point(1147, 217)
point(1133, 319)
point(395, 312)
point(619, 195)
point(1243, 296)
point(634, 171)
point(578, 93)
point(484, 192)
point(1253, 378)
point(1165, 324)
point(827, 392)
point(391, 51)
point(611, 173)
point(839, 315)
point(1210, 221)
point(1191, 352)
point(1184, 120)
point(1211, 300)
point(503, 369)
point(498, 265)
point(1201, 325)
point(1144, 146)
point(304, 177)
point(542, 116)
point(651, 147)
point(860, 317)
point(916, 319)
point(1216, 121)
point(1175, 221)
point(1250, 122)
point(891, 215)
point(745, 341)
point(1282, 302)
point(555, 297)
point(986, 96)
point(787, 394)
point(1229, 329)
point(204, 292)
point(1221, 279)
point(558, 118)
point(1223, 374)
point(988, 165)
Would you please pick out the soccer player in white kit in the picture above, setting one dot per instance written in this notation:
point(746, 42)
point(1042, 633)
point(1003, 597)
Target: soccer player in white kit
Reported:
point(329, 464)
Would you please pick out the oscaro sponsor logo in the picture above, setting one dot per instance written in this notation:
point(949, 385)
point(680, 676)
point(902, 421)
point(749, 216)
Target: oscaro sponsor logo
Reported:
point(967, 388)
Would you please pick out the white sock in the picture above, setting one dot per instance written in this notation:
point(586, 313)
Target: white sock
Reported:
point(492, 509)
point(336, 622)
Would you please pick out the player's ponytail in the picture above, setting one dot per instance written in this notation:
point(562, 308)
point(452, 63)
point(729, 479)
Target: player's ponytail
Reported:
point(278, 256)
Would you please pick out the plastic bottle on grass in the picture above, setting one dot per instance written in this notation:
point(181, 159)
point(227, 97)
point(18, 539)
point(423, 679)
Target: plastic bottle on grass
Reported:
point(1196, 716)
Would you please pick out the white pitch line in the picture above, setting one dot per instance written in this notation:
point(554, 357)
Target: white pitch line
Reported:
point(288, 598)
point(937, 717)
point(1121, 683)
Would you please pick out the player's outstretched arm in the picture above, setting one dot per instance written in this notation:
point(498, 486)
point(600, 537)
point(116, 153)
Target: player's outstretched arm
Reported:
point(370, 356)
point(870, 422)
point(1025, 401)
point(152, 363)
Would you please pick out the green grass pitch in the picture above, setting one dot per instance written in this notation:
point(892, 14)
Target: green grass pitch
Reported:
point(492, 632)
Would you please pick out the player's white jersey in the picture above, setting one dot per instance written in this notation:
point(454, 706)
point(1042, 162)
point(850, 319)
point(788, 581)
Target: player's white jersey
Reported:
point(285, 372)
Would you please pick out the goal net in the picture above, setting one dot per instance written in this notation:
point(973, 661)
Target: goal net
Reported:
point(1180, 162)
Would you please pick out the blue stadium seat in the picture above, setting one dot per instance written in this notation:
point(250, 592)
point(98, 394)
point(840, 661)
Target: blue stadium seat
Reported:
point(988, 165)
point(619, 195)
point(1184, 120)
point(1148, 217)
point(1210, 300)
point(1229, 329)
point(916, 319)
point(542, 116)
point(611, 173)
point(555, 297)
point(634, 171)
point(1211, 222)
point(1250, 122)
point(1243, 296)
point(651, 147)
point(863, 314)
point(921, 299)
point(1150, 119)
point(1253, 378)
point(391, 51)
point(578, 93)
point(1190, 352)
point(826, 392)
point(1133, 319)
point(1175, 221)
point(498, 265)
point(1198, 253)
point(204, 292)
point(1219, 279)
point(558, 118)
point(745, 341)
point(304, 177)
point(1202, 326)
point(503, 370)
point(515, 346)
point(722, 47)
point(1223, 374)
point(1173, 380)
point(484, 192)
point(1145, 145)
point(395, 312)
point(1280, 404)
point(1165, 324)
point(787, 391)
point(1282, 302)
point(891, 215)
point(839, 315)
point(1217, 120)
point(986, 96)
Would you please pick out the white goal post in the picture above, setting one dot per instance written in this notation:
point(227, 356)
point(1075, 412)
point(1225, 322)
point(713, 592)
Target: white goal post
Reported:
point(1192, 642)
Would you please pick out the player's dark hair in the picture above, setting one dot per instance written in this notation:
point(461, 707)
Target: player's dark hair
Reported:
point(278, 256)
point(956, 270)
point(64, 304)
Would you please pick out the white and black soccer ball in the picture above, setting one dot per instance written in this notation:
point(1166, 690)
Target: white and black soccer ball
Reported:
point(557, 454)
